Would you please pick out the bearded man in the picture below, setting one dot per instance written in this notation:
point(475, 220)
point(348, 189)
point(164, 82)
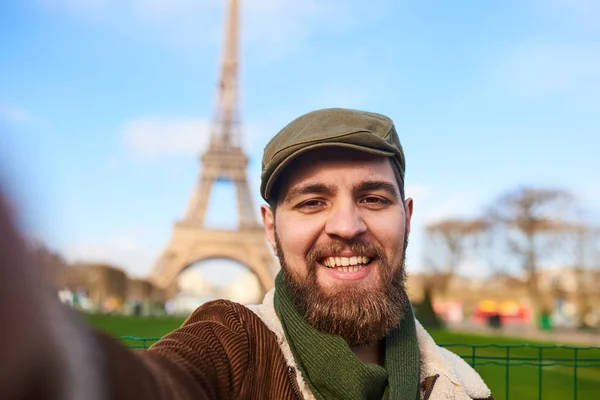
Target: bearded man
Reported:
point(338, 324)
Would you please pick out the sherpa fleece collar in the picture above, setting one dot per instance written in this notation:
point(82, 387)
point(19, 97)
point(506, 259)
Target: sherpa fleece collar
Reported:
point(456, 380)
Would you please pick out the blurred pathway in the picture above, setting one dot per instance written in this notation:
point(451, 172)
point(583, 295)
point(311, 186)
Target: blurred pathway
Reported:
point(558, 336)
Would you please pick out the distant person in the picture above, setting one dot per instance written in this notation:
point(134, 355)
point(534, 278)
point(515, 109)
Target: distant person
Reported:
point(495, 321)
point(137, 309)
point(338, 325)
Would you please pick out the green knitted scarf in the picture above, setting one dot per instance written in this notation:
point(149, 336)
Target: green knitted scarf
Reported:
point(334, 372)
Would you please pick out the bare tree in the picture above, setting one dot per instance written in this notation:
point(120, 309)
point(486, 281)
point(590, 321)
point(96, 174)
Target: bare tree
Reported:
point(581, 236)
point(532, 219)
point(449, 242)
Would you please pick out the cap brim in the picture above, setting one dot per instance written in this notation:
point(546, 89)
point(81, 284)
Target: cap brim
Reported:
point(292, 156)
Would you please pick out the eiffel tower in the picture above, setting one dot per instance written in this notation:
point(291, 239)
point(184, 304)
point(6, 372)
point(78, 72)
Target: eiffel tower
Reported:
point(224, 159)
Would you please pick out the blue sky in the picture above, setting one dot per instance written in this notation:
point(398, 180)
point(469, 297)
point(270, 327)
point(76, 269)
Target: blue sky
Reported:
point(105, 104)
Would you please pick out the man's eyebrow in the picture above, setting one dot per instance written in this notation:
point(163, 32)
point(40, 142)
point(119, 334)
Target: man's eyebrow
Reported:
point(369, 186)
point(311, 188)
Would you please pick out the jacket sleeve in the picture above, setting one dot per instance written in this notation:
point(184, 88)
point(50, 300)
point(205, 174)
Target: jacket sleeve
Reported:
point(204, 359)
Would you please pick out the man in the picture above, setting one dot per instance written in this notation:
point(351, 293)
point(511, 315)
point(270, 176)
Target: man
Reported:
point(338, 324)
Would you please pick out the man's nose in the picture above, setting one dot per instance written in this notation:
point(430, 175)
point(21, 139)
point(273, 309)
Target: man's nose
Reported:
point(345, 221)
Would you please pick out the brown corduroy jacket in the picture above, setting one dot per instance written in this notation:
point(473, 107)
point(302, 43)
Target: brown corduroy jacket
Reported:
point(228, 351)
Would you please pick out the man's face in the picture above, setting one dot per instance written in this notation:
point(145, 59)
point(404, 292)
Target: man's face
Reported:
point(340, 231)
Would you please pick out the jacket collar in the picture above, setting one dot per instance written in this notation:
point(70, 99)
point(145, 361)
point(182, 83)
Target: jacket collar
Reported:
point(453, 378)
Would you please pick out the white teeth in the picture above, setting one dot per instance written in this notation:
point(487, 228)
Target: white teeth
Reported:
point(346, 264)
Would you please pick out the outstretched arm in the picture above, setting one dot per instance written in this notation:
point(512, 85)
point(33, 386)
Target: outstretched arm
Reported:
point(48, 353)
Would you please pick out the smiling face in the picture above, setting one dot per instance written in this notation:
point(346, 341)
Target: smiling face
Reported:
point(340, 230)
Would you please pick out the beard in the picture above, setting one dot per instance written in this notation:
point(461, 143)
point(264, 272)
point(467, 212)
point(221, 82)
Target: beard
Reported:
point(361, 315)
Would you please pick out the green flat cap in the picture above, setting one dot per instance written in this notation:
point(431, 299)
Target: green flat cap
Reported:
point(331, 127)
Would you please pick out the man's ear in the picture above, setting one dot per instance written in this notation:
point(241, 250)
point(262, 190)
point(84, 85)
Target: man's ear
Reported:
point(268, 219)
point(408, 210)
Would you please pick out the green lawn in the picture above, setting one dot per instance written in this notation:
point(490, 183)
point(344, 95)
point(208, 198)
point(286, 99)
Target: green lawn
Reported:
point(557, 381)
point(146, 327)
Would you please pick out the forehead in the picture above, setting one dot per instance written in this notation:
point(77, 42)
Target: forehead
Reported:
point(336, 165)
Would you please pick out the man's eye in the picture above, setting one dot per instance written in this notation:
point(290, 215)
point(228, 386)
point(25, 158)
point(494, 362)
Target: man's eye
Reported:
point(375, 200)
point(309, 204)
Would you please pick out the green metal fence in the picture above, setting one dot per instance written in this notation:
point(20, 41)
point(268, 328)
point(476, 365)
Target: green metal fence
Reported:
point(513, 359)
point(138, 342)
point(514, 371)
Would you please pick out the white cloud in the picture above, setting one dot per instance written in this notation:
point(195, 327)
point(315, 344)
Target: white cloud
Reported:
point(546, 69)
point(12, 114)
point(589, 197)
point(563, 62)
point(154, 137)
point(464, 202)
point(582, 14)
point(593, 193)
point(589, 193)
point(122, 251)
point(418, 192)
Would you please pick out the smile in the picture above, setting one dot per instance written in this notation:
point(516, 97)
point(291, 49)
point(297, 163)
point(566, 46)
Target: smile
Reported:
point(346, 264)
